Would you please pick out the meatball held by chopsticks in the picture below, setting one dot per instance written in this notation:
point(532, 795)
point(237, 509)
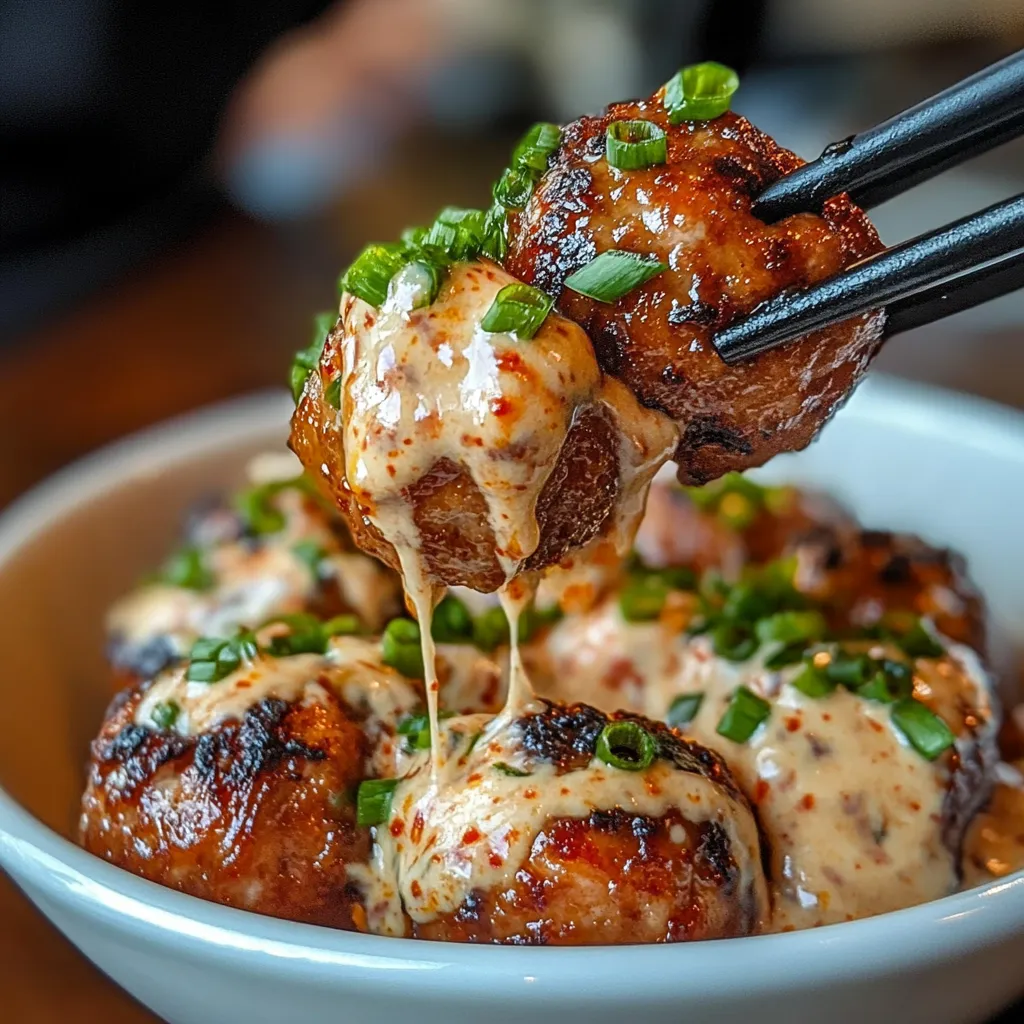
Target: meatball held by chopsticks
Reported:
point(646, 195)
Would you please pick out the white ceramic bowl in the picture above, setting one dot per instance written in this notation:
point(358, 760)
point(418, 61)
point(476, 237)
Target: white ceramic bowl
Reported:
point(949, 467)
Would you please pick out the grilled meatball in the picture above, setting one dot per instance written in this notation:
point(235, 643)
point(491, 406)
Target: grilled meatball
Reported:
point(482, 454)
point(532, 839)
point(241, 790)
point(728, 524)
point(693, 213)
point(253, 812)
point(857, 822)
point(861, 575)
point(275, 550)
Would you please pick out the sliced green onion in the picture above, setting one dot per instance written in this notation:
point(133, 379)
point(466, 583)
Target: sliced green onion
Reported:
point(518, 309)
point(514, 188)
point(626, 745)
point(851, 671)
point(165, 714)
point(256, 509)
point(332, 393)
point(306, 359)
point(417, 729)
point(490, 629)
point(784, 656)
point(746, 711)
point(371, 272)
point(373, 801)
point(311, 555)
point(614, 273)
point(495, 240)
point(643, 598)
point(458, 231)
point(452, 622)
point(925, 731)
point(631, 145)
point(417, 284)
point(534, 149)
point(917, 642)
point(889, 682)
point(400, 648)
point(413, 238)
point(733, 642)
point(298, 642)
point(812, 682)
point(791, 627)
point(678, 577)
point(187, 568)
point(683, 709)
point(507, 769)
point(210, 659)
point(342, 625)
point(700, 92)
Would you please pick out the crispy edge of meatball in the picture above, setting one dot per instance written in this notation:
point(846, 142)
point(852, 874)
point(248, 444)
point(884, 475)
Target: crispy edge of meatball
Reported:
point(576, 503)
point(255, 814)
point(615, 877)
point(674, 367)
point(848, 568)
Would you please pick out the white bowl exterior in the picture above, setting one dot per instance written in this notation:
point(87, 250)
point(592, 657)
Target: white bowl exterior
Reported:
point(954, 961)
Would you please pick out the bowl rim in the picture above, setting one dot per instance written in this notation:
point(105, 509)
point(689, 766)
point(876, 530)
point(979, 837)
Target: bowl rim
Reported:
point(46, 861)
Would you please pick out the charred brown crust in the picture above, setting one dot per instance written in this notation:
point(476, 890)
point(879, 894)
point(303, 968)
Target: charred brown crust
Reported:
point(566, 736)
point(696, 216)
point(850, 569)
point(613, 877)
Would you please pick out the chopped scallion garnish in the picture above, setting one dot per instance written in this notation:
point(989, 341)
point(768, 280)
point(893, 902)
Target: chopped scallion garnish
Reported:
point(507, 769)
point(452, 622)
point(518, 309)
point(925, 731)
point(371, 273)
point(373, 801)
point(165, 714)
point(746, 711)
point(700, 92)
point(212, 659)
point(626, 745)
point(917, 642)
point(187, 568)
point(311, 554)
point(631, 145)
point(400, 648)
point(791, 627)
point(614, 273)
point(683, 709)
point(306, 359)
point(812, 682)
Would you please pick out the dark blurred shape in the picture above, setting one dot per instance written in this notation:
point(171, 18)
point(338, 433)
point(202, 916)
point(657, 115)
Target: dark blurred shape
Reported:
point(107, 112)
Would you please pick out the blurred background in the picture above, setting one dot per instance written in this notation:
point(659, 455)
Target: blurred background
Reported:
point(180, 186)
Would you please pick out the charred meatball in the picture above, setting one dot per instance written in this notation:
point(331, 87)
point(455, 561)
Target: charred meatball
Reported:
point(693, 213)
point(533, 838)
point(478, 453)
point(274, 550)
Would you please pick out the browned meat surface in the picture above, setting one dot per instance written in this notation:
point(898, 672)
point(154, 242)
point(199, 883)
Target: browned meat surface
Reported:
point(254, 814)
point(694, 214)
point(613, 878)
point(859, 575)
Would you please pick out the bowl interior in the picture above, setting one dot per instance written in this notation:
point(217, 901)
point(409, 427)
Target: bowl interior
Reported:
point(947, 467)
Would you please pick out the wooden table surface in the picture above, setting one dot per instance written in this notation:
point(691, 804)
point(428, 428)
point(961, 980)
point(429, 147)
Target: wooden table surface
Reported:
point(218, 317)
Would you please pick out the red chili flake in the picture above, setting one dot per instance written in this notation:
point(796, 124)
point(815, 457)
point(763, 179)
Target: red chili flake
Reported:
point(792, 723)
point(501, 406)
point(877, 726)
point(243, 684)
point(415, 888)
point(807, 803)
point(495, 861)
point(914, 805)
point(826, 717)
point(475, 777)
point(417, 827)
point(530, 794)
point(470, 836)
point(397, 827)
point(761, 790)
point(407, 440)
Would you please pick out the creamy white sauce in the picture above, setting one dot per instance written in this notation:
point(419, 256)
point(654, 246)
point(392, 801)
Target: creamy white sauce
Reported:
point(852, 812)
point(254, 582)
point(423, 385)
point(473, 827)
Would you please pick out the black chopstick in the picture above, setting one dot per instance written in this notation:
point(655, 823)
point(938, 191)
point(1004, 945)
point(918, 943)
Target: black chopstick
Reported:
point(955, 296)
point(964, 120)
point(875, 282)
